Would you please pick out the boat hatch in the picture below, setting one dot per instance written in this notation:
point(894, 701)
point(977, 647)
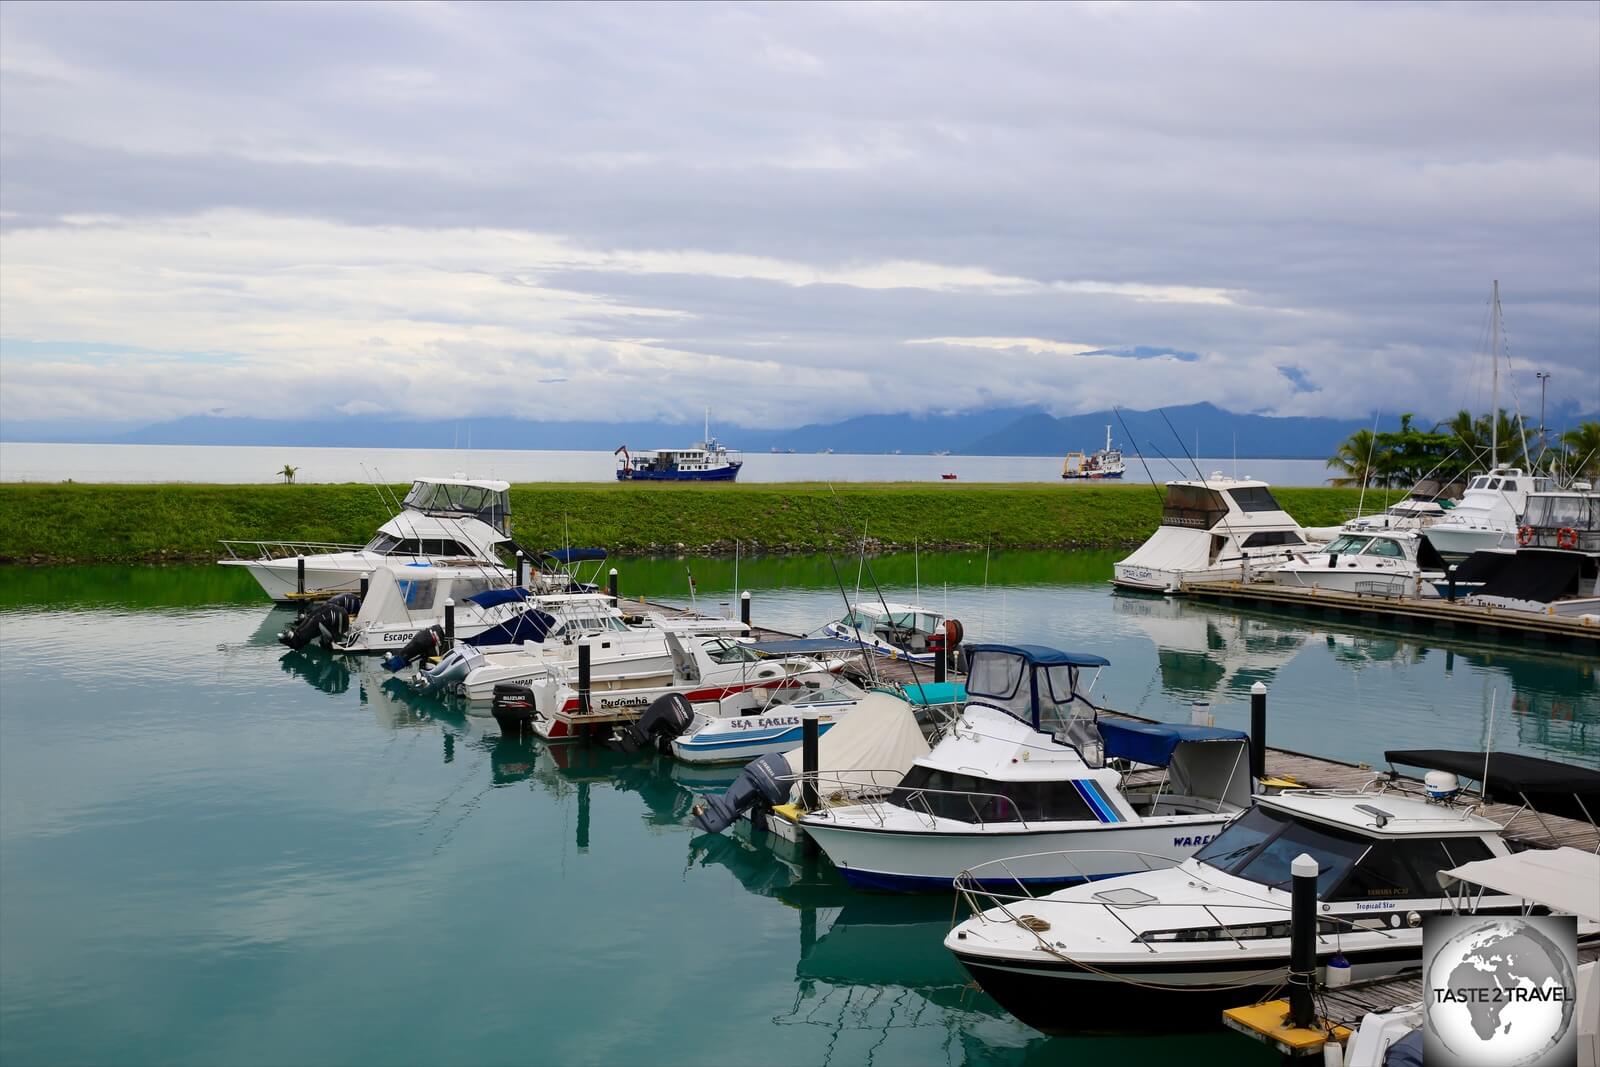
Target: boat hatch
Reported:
point(1260, 845)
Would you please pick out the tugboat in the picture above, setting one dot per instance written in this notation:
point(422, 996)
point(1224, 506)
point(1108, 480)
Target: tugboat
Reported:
point(1106, 463)
point(708, 461)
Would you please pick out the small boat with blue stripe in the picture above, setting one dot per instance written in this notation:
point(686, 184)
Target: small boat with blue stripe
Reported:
point(1029, 768)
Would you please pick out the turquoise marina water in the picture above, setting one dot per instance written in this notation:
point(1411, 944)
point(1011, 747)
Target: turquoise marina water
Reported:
point(212, 851)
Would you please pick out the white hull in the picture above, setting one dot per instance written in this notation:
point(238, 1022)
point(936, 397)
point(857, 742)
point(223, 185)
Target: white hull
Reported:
point(337, 572)
point(1355, 581)
point(1464, 540)
point(898, 859)
point(742, 738)
point(521, 668)
point(1169, 580)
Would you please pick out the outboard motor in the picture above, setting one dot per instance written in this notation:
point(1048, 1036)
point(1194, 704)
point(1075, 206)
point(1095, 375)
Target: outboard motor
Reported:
point(666, 718)
point(452, 668)
point(422, 644)
point(325, 623)
point(763, 780)
point(513, 708)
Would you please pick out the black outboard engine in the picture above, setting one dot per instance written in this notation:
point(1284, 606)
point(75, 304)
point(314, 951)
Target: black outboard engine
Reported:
point(764, 780)
point(513, 708)
point(666, 718)
point(422, 644)
point(325, 623)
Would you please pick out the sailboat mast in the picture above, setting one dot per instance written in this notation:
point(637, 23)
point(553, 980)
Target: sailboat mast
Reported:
point(706, 439)
point(1494, 359)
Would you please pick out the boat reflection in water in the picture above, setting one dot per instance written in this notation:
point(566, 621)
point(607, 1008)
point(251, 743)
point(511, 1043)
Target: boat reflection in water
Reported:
point(1203, 654)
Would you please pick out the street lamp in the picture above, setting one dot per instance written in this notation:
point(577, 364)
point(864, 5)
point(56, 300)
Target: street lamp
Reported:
point(1544, 383)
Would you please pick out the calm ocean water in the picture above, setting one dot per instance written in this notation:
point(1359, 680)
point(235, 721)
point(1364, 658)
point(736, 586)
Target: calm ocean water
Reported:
point(214, 851)
point(22, 462)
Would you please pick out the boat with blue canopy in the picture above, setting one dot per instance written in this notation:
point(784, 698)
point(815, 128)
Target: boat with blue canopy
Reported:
point(1031, 767)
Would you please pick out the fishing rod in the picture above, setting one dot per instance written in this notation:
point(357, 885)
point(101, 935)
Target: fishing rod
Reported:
point(1140, 453)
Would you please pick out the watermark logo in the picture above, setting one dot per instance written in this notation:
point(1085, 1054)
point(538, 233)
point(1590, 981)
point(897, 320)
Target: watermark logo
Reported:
point(1500, 990)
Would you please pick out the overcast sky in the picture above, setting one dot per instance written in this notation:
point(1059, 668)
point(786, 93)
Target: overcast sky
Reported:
point(793, 213)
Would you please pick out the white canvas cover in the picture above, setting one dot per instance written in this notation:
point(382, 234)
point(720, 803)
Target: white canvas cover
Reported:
point(870, 749)
point(1566, 879)
point(1174, 548)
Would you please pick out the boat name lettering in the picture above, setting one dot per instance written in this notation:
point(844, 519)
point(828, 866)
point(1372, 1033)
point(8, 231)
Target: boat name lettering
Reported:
point(1375, 905)
point(1192, 842)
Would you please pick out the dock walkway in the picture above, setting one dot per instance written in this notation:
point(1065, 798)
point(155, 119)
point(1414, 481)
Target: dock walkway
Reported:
point(1431, 614)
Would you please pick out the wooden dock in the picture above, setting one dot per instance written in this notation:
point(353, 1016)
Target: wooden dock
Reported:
point(1430, 614)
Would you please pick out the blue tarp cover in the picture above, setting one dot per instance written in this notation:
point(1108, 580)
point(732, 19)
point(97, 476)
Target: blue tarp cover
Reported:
point(923, 694)
point(1042, 656)
point(1154, 742)
point(803, 646)
point(576, 555)
point(532, 625)
point(490, 597)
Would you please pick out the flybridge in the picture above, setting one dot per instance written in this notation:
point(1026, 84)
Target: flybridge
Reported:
point(487, 501)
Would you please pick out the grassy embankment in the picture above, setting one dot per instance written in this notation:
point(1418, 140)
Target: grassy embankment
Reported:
point(165, 523)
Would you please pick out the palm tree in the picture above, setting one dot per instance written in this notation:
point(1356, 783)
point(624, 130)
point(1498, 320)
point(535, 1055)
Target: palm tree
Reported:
point(288, 474)
point(1358, 460)
point(1583, 449)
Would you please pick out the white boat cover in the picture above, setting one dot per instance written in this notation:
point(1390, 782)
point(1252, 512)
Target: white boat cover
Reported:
point(1174, 548)
point(873, 746)
point(1565, 879)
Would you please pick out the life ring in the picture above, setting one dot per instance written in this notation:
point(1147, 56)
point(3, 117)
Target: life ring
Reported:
point(1525, 536)
point(1566, 537)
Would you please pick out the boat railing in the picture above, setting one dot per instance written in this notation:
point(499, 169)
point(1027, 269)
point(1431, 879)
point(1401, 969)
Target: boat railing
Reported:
point(261, 551)
point(976, 887)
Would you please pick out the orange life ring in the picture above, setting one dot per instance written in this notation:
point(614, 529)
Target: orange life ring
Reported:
point(1566, 537)
point(1525, 536)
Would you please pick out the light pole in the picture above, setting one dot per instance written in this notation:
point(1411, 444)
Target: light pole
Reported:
point(1544, 383)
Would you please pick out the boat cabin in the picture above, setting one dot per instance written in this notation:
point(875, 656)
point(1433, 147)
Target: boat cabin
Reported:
point(904, 626)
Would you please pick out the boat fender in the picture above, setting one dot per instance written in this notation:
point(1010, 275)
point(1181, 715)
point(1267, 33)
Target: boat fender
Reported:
point(667, 717)
point(423, 643)
point(765, 779)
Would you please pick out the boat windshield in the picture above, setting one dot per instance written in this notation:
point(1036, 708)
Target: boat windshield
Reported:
point(456, 498)
point(1347, 545)
point(1260, 845)
point(1577, 512)
point(1254, 498)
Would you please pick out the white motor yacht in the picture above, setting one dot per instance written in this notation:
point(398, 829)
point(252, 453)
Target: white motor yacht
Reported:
point(1212, 530)
point(403, 601)
point(1486, 517)
point(441, 520)
point(1388, 563)
point(1173, 946)
point(1025, 769)
point(897, 631)
point(1412, 513)
point(1555, 568)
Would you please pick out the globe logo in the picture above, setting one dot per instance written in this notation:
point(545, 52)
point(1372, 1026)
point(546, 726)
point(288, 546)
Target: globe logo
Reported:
point(1500, 990)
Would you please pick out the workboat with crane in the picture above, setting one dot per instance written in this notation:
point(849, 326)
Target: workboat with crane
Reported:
point(1106, 463)
point(708, 461)
point(442, 522)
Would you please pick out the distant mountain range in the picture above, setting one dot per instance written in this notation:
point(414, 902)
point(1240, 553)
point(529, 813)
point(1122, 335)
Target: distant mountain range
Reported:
point(1201, 429)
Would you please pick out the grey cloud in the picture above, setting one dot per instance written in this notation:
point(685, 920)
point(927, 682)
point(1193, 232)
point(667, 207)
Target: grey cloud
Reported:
point(1356, 173)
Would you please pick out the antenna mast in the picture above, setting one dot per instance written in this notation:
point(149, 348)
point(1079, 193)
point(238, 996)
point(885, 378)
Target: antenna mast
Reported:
point(1494, 359)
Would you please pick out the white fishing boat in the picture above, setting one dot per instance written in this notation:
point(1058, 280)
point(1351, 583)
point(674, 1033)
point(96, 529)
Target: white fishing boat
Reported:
point(619, 652)
point(1176, 943)
point(442, 521)
point(775, 727)
point(1412, 513)
point(1387, 563)
point(1488, 514)
point(1555, 568)
point(1212, 530)
point(1106, 463)
point(1026, 768)
point(404, 603)
point(718, 675)
point(897, 631)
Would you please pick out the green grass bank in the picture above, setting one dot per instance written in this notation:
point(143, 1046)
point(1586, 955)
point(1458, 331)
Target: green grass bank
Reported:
point(60, 523)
